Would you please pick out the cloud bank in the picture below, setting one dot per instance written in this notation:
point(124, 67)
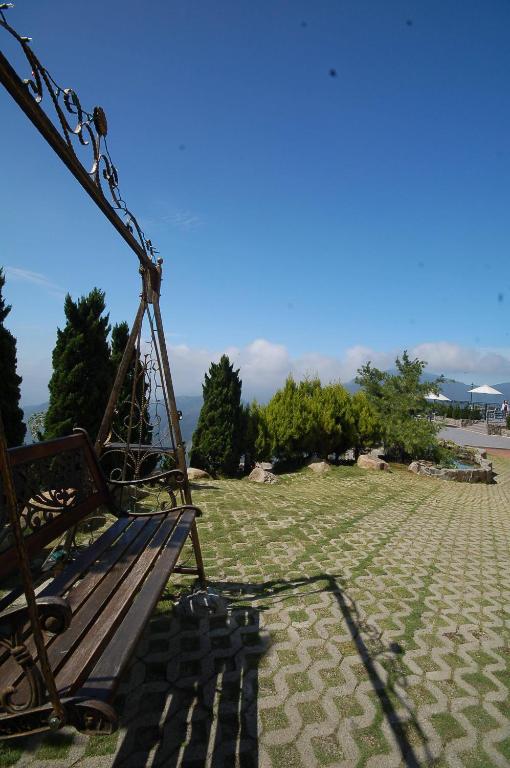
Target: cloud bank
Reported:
point(264, 366)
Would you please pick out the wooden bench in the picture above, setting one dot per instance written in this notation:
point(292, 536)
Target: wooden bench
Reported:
point(94, 611)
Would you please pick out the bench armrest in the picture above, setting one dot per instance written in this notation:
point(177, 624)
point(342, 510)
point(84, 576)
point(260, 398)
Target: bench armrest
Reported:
point(181, 508)
point(176, 474)
point(54, 614)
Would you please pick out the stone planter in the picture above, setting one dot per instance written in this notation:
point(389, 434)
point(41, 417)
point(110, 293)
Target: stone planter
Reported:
point(482, 473)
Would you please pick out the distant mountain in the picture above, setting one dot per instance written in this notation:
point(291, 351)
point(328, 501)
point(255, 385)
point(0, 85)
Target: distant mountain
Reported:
point(190, 406)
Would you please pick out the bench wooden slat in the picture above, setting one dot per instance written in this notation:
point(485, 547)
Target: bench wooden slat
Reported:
point(74, 570)
point(84, 590)
point(105, 568)
point(87, 616)
point(101, 682)
point(75, 671)
point(34, 451)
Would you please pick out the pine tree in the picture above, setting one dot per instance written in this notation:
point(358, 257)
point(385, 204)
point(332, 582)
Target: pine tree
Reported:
point(217, 438)
point(81, 380)
point(397, 399)
point(12, 414)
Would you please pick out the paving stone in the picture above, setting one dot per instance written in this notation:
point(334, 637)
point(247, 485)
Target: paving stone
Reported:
point(367, 623)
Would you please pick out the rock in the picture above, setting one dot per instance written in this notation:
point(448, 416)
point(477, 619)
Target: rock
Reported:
point(319, 467)
point(122, 495)
point(259, 475)
point(198, 474)
point(265, 465)
point(366, 461)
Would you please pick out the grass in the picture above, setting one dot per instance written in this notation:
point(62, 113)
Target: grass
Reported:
point(363, 606)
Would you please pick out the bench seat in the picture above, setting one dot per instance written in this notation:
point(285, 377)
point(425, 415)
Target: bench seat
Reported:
point(107, 593)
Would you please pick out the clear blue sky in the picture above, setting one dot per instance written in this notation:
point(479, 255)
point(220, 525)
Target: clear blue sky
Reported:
point(325, 218)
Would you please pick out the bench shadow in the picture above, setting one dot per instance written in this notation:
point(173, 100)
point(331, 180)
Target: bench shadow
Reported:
point(200, 688)
point(190, 694)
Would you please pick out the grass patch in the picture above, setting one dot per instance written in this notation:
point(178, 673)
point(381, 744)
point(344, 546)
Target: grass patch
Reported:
point(447, 726)
point(10, 752)
point(97, 746)
point(55, 746)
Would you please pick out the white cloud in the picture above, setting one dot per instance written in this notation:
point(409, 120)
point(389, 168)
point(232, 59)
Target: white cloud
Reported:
point(183, 220)
point(264, 365)
point(35, 278)
point(444, 356)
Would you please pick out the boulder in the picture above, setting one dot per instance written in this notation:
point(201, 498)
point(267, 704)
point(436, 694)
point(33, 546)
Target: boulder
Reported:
point(319, 467)
point(265, 465)
point(198, 474)
point(366, 461)
point(259, 475)
point(123, 494)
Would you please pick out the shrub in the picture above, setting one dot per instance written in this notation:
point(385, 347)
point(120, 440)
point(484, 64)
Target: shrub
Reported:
point(397, 399)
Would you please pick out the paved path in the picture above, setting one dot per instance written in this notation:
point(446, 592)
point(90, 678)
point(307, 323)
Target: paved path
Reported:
point(365, 624)
point(474, 437)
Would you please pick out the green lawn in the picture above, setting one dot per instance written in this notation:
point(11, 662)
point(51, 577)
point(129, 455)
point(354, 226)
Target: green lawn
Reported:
point(365, 622)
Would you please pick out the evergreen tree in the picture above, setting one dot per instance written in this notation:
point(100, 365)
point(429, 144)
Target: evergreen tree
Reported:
point(367, 427)
point(12, 414)
point(286, 423)
point(255, 444)
point(217, 441)
point(307, 419)
point(333, 430)
point(81, 380)
point(397, 399)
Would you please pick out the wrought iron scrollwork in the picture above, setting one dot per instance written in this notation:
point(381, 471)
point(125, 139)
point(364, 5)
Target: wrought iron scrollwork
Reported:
point(29, 692)
point(79, 125)
point(45, 488)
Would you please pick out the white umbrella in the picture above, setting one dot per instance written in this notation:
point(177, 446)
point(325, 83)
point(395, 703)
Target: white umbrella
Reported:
point(440, 396)
point(485, 389)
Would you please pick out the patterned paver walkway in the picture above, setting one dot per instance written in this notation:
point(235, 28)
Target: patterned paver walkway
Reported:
point(365, 621)
point(474, 437)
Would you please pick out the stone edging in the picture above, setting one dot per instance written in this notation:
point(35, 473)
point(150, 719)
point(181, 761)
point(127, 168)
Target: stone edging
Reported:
point(482, 474)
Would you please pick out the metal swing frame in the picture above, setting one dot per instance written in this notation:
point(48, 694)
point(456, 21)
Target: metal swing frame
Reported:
point(75, 128)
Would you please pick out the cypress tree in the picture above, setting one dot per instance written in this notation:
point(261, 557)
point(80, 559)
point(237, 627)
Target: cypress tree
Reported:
point(12, 414)
point(217, 438)
point(81, 380)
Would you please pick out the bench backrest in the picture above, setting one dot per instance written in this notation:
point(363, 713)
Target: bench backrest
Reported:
point(57, 483)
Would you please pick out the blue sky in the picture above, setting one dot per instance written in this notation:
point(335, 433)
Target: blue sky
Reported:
point(308, 222)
